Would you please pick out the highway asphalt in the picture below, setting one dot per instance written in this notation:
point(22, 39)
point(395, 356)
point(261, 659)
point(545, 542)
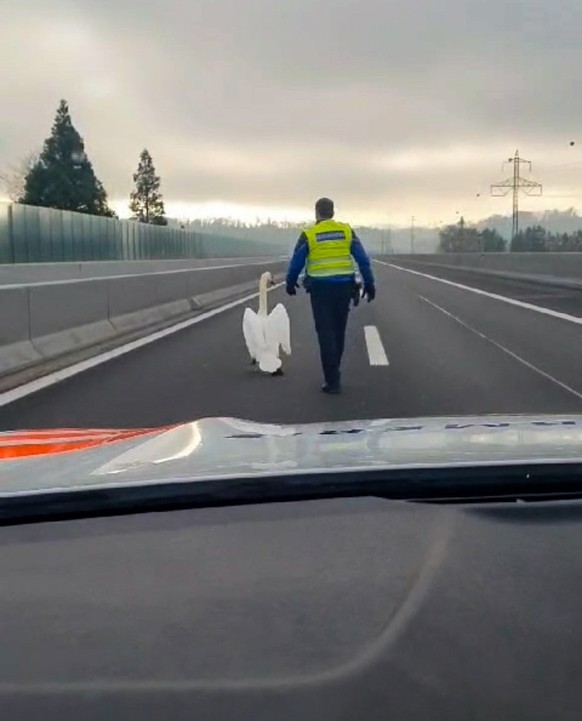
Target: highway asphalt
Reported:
point(566, 300)
point(450, 351)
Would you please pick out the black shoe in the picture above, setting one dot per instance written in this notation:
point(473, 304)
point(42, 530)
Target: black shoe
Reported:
point(332, 390)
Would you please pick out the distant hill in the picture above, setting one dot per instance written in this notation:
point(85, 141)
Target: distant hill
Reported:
point(378, 240)
point(555, 221)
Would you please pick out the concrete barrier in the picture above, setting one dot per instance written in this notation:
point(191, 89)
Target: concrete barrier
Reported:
point(68, 316)
point(548, 268)
point(18, 273)
point(138, 301)
point(16, 348)
point(48, 320)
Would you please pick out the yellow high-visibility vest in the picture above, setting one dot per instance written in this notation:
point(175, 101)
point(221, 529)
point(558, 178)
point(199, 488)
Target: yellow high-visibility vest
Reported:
point(329, 249)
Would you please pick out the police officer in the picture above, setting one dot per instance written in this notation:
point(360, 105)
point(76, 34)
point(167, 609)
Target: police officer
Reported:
point(327, 250)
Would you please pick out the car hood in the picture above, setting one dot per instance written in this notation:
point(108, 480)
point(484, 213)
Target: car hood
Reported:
point(228, 448)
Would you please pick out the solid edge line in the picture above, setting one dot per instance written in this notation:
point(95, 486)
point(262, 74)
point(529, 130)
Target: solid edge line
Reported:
point(495, 296)
point(510, 353)
point(376, 353)
point(51, 379)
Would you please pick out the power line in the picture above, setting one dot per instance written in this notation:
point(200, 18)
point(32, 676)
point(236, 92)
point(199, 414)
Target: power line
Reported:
point(514, 185)
point(386, 246)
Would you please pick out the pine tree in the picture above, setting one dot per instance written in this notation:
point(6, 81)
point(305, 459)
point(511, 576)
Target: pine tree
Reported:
point(146, 202)
point(63, 176)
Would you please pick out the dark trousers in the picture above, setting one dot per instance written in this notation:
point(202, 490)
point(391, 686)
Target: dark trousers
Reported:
point(330, 303)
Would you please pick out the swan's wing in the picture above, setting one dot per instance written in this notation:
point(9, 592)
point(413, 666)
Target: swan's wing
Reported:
point(279, 329)
point(268, 359)
point(252, 333)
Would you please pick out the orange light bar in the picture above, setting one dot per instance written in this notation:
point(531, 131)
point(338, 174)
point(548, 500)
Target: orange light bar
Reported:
point(23, 444)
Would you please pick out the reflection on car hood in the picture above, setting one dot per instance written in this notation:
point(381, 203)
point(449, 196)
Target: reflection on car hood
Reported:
point(220, 448)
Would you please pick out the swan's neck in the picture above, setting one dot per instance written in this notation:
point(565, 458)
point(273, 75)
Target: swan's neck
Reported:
point(262, 298)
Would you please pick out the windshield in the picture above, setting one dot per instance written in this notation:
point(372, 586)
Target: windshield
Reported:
point(288, 212)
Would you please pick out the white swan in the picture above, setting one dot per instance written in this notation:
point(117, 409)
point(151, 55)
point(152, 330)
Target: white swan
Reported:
point(266, 332)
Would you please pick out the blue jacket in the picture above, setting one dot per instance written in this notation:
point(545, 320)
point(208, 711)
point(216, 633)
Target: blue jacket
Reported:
point(300, 258)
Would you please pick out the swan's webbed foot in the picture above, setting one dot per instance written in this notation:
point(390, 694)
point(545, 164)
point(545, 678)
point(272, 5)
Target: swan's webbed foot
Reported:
point(278, 372)
point(253, 362)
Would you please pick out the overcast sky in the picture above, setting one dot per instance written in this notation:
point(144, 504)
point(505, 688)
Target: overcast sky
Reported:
point(392, 107)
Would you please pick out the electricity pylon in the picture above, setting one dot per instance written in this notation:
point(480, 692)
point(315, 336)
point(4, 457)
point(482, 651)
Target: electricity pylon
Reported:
point(514, 185)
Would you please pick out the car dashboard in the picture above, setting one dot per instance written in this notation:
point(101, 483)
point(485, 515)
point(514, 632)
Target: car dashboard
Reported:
point(346, 608)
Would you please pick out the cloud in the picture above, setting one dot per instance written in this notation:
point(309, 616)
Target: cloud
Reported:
point(393, 108)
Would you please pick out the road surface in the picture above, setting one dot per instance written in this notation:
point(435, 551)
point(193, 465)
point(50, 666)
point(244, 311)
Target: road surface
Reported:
point(425, 347)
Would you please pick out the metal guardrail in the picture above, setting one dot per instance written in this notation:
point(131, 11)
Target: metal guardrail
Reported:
point(30, 234)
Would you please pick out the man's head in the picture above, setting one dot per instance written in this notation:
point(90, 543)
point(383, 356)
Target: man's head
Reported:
point(324, 209)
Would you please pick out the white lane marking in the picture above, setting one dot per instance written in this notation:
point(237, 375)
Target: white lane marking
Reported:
point(51, 379)
point(505, 299)
point(376, 352)
point(516, 357)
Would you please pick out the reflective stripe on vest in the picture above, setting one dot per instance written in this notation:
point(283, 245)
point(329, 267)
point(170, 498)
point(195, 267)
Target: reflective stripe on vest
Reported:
point(329, 243)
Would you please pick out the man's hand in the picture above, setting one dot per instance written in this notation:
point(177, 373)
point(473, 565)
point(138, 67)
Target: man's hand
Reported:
point(369, 292)
point(291, 288)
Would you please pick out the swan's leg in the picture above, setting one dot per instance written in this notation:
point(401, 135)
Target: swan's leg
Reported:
point(278, 372)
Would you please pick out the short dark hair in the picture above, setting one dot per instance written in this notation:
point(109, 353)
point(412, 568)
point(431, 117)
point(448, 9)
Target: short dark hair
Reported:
point(324, 208)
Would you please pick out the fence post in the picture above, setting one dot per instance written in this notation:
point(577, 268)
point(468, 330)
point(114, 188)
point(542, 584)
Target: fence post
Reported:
point(10, 225)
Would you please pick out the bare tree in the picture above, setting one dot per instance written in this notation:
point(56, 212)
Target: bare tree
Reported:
point(13, 178)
